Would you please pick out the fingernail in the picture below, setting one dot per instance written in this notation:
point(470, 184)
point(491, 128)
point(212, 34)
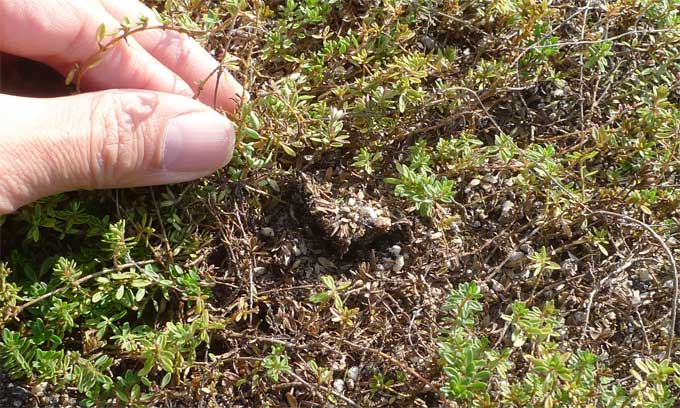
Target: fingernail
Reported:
point(198, 142)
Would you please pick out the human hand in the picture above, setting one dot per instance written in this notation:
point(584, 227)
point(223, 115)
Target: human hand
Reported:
point(141, 126)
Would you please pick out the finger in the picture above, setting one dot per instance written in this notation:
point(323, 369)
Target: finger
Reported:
point(182, 55)
point(61, 33)
point(6, 59)
point(106, 139)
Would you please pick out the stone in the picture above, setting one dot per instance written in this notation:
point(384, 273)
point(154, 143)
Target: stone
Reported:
point(353, 373)
point(339, 385)
point(398, 263)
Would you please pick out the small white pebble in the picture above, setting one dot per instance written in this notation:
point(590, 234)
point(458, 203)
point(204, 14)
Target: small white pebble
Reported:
point(353, 373)
point(395, 250)
point(436, 235)
point(267, 232)
point(351, 202)
point(339, 386)
point(398, 263)
point(368, 213)
point(40, 389)
point(497, 286)
point(635, 297)
point(483, 288)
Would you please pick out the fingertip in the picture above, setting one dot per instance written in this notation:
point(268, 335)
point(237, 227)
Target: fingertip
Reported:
point(230, 93)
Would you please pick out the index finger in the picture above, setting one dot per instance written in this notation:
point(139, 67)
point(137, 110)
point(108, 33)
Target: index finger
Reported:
point(183, 55)
point(61, 33)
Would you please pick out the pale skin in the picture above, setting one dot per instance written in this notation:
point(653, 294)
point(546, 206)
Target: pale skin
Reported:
point(136, 126)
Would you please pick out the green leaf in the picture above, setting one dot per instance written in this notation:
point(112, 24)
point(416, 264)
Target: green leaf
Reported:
point(288, 150)
point(120, 292)
point(328, 281)
point(166, 360)
point(97, 297)
point(101, 32)
point(166, 380)
point(477, 386)
point(254, 120)
point(319, 297)
point(251, 134)
point(140, 283)
point(148, 365)
point(140, 294)
point(402, 103)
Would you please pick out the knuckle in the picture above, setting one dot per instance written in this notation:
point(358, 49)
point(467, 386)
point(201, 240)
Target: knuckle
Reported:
point(115, 148)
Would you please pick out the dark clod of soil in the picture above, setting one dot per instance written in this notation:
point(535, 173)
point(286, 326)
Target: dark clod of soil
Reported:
point(345, 218)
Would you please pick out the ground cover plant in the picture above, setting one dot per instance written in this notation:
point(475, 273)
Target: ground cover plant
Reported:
point(465, 203)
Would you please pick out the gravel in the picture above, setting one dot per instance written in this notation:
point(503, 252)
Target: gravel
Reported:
point(13, 395)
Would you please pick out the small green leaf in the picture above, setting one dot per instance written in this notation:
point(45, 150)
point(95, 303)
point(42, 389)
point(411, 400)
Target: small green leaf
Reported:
point(251, 134)
point(101, 33)
point(140, 283)
point(120, 292)
point(254, 120)
point(288, 150)
point(166, 380)
point(328, 281)
point(140, 294)
point(319, 297)
point(402, 103)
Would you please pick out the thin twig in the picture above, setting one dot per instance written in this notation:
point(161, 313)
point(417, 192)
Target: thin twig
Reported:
point(92, 61)
point(674, 269)
point(602, 40)
point(581, 64)
point(597, 288)
point(77, 282)
point(315, 389)
point(387, 357)
point(404, 367)
point(252, 290)
point(164, 234)
point(481, 105)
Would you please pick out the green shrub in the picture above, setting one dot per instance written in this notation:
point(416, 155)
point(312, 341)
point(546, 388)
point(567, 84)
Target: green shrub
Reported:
point(477, 373)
